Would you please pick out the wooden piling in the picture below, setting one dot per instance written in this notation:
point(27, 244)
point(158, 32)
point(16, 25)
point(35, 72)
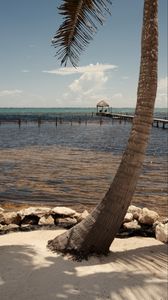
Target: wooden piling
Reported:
point(129, 118)
point(19, 122)
point(39, 122)
point(101, 121)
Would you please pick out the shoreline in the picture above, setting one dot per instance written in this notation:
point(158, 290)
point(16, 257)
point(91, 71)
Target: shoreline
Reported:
point(14, 206)
point(136, 222)
point(10, 206)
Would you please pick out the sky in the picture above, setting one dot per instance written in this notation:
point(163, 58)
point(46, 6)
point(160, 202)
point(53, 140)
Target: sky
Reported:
point(31, 75)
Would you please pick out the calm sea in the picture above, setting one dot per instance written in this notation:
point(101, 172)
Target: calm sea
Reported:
point(49, 112)
point(73, 161)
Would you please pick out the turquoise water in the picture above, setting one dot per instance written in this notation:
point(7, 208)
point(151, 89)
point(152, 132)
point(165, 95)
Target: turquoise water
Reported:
point(67, 113)
point(69, 110)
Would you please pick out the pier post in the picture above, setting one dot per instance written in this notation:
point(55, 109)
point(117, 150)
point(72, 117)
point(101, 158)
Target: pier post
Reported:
point(39, 122)
point(101, 121)
point(19, 122)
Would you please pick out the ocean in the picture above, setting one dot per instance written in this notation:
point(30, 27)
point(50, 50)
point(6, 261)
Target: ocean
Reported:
point(71, 156)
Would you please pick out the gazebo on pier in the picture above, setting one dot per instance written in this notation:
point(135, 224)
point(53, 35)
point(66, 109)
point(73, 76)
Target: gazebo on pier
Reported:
point(102, 106)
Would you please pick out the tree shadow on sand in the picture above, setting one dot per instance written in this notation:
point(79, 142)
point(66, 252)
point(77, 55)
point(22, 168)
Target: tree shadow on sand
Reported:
point(134, 274)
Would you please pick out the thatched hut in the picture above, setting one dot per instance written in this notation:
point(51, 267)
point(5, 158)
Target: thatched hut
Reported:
point(102, 106)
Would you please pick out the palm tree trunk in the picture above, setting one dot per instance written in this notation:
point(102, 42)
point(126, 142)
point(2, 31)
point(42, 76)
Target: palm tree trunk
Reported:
point(96, 233)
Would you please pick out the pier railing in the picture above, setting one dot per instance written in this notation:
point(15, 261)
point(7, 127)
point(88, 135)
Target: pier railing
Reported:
point(76, 118)
point(156, 121)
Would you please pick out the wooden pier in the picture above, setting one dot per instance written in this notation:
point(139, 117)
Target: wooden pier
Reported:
point(159, 123)
point(39, 120)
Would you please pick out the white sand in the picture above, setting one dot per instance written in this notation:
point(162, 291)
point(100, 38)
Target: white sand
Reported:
point(135, 270)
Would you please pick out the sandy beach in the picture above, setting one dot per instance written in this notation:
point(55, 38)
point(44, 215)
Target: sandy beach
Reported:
point(135, 269)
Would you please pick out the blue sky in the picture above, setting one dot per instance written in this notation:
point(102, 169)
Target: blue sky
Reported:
point(31, 76)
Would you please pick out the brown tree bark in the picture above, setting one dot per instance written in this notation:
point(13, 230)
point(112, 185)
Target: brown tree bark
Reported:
point(95, 234)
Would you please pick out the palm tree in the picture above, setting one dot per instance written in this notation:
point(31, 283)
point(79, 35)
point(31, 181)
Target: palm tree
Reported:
point(95, 234)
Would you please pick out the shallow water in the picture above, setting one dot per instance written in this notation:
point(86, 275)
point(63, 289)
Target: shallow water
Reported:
point(74, 165)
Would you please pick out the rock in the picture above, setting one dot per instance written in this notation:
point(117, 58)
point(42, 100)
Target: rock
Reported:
point(135, 210)
point(1, 210)
point(12, 227)
point(161, 232)
point(148, 216)
point(12, 218)
point(1, 228)
point(82, 216)
point(155, 224)
point(28, 227)
point(128, 217)
point(65, 222)
point(46, 220)
point(64, 211)
point(34, 211)
point(7, 228)
point(31, 220)
point(165, 221)
point(133, 225)
point(76, 215)
point(2, 219)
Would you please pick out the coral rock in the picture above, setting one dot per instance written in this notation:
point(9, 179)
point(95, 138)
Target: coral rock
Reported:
point(65, 222)
point(135, 210)
point(132, 225)
point(128, 217)
point(148, 216)
point(46, 220)
point(161, 232)
point(2, 219)
point(1, 210)
point(34, 211)
point(61, 210)
point(12, 218)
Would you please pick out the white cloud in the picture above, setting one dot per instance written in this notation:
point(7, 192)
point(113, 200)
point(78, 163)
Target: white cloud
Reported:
point(117, 96)
point(10, 93)
point(88, 82)
point(25, 71)
point(161, 99)
point(81, 70)
point(87, 89)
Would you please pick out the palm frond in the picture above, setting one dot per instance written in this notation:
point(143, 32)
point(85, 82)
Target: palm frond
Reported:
point(78, 27)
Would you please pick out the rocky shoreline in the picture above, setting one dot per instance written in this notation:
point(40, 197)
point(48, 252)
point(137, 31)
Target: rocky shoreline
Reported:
point(137, 221)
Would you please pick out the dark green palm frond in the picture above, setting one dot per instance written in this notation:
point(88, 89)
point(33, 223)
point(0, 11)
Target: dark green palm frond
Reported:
point(78, 27)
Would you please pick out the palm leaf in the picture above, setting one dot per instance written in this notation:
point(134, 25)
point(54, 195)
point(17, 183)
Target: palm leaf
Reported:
point(78, 27)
